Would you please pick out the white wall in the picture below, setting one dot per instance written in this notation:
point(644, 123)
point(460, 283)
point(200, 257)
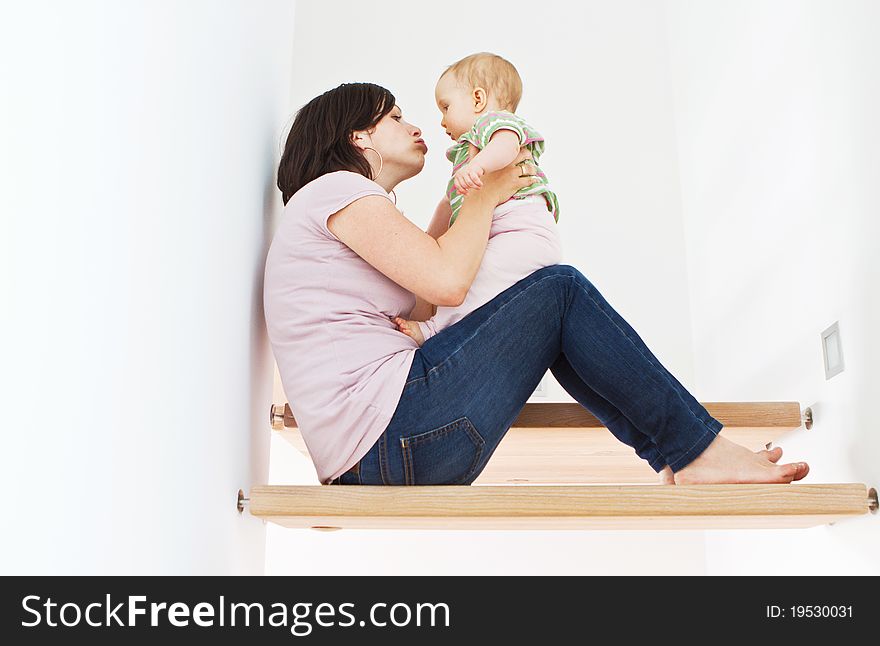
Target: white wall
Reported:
point(614, 169)
point(138, 145)
point(776, 106)
point(721, 193)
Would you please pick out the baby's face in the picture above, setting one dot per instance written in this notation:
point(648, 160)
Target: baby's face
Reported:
point(456, 106)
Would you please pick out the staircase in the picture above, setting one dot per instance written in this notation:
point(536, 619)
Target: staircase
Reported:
point(559, 468)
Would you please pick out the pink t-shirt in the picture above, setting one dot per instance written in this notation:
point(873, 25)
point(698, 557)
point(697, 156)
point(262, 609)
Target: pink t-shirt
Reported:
point(523, 238)
point(343, 363)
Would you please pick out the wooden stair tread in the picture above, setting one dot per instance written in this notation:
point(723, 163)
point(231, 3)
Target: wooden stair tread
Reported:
point(552, 442)
point(561, 506)
point(757, 415)
point(781, 415)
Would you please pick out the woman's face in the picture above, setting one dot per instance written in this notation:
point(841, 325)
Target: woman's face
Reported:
point(401, 144)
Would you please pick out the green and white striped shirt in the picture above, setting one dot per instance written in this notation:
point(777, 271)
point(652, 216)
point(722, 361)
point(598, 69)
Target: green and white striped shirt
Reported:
point(484, 127)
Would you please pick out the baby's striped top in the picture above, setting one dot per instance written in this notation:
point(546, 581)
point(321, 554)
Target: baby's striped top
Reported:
point(484, 127)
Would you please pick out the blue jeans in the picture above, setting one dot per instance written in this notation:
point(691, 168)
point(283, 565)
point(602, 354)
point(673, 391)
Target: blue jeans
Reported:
point(469, 382)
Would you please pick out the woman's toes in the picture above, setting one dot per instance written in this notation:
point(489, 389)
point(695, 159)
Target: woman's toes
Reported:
point(792, 471)
point(795, 470)
point(773, 454)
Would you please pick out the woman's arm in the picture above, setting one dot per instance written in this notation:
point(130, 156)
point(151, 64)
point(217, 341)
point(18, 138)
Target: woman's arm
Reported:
point(439, 271)
point(440, 222)
point(423, 310)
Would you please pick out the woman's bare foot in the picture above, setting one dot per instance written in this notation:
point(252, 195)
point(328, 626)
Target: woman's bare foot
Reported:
point(724, 461)
point(667, 477)
point(409, 328)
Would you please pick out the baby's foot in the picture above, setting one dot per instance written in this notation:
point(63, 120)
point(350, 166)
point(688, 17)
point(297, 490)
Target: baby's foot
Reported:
point(409, 328)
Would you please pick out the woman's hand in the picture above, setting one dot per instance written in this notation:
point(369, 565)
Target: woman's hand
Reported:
point(501, 184)
point(409, 328)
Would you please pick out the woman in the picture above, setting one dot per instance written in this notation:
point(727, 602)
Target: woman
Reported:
point(373, 407)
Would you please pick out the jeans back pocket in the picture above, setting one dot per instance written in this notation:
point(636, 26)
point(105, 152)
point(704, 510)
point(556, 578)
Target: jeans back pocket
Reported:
point(448, 454)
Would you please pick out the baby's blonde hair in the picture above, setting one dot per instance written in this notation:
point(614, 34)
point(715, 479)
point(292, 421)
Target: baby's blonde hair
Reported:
point(491, 72)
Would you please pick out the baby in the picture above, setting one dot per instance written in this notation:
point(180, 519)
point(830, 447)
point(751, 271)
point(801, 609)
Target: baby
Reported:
point(478, 97)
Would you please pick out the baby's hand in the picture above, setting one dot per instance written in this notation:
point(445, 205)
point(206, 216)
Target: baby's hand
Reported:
point(409, 328)
point(468, 177)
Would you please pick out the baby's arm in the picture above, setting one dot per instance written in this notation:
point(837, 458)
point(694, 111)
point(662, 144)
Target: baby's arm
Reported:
point(502, 149)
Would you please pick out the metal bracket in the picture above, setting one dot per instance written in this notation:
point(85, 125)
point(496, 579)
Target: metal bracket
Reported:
point(241, 501)
point(872, 500)
point(807, 417)
point(276, 417)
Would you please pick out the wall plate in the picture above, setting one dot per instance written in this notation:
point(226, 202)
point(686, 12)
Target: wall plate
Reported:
point(832, 350)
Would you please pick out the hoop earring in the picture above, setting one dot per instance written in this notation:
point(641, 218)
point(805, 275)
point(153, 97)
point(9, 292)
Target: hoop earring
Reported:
point(381, 164)
point(380, 160)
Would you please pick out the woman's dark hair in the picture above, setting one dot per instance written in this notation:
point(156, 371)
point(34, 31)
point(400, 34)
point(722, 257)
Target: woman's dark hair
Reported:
point(319, 141)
